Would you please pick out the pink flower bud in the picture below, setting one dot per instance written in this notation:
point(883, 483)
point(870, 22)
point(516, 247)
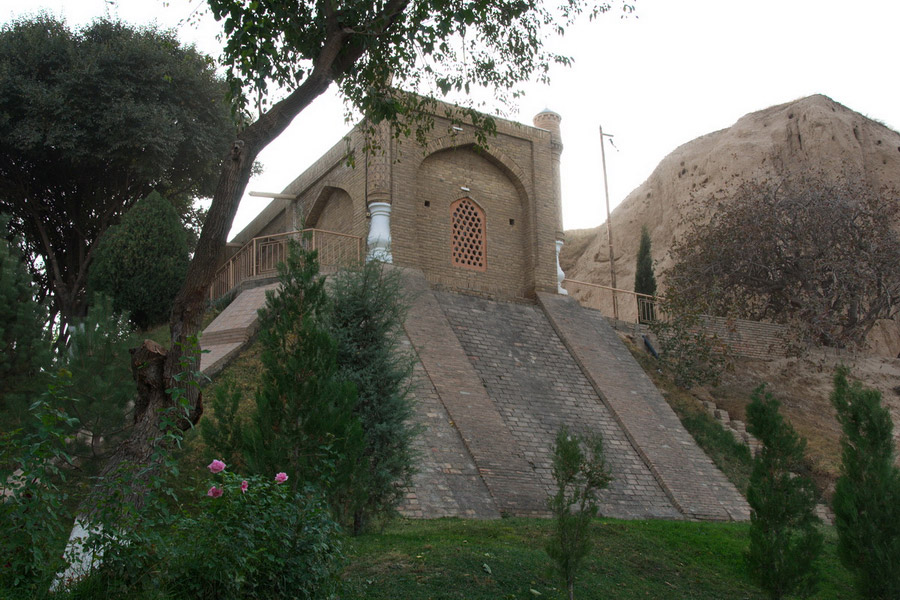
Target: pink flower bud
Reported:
point(214, 492)
point(244, 486)
point(281, 477)
point(216, 466)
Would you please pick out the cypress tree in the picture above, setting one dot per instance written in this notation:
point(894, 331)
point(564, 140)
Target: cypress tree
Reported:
point(785, 542)
point(141, 262)
point(366, 321)
point(866, 499)
point(644, 280)
point(304, 422)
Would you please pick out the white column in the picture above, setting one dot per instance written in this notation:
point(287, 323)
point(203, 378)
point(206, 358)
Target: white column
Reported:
point(379, 240)
point(559, 272)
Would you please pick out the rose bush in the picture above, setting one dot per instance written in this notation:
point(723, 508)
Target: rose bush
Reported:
point(244, 537)
point(258, 540)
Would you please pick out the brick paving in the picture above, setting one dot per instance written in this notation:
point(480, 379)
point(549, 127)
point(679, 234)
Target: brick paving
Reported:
point(507, 473)
point(537, 387)
point(690, 479)
point(447, 483)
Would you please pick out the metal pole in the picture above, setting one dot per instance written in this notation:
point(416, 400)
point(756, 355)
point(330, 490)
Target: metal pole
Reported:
point(612, 260)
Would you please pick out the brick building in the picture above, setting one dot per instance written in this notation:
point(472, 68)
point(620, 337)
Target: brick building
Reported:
point(485, 221)
point(499, 369)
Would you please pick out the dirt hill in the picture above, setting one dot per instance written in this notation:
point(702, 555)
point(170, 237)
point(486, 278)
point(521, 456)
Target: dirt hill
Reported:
point(811, 134)
point(815, 134)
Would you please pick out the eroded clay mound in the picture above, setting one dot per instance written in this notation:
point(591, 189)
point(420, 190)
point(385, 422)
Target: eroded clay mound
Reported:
point(813, 134)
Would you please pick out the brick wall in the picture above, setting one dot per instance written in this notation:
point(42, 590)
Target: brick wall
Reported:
point(421, 229)
point(749, 338)
point(340, 214)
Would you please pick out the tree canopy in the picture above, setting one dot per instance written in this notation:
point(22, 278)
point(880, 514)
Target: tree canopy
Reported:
point(815, 252)
point(91, 121)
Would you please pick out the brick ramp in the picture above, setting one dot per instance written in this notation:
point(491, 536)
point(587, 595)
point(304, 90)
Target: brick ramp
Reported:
point(224, 338)
point(689, 478)
point(447, 482)
point(506, 473)
point(536, 387)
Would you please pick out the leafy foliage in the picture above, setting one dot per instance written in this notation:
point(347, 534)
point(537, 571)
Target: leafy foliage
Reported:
point(141, 262)
point(304, 420)
point(91, 121)
point(264, 541)
point(785, 542)
point(865, 502)
point(433, 47)
point(366, 322)
point(24, 347)
point(694, 354)
point(580, 471)
point(818, 253)
point(32, 508)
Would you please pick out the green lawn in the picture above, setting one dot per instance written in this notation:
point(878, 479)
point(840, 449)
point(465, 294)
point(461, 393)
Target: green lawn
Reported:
point(504, 559)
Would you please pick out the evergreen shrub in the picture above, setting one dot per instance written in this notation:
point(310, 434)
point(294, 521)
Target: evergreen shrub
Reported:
point(785, 542)
point(580, 471)
point(141, 262)
point(368, 310)
point(866, 498)
point(24, 346)
point(304, 419)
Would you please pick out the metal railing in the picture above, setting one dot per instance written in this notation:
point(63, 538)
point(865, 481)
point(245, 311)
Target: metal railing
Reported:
point(260, 256)
point(631, 306)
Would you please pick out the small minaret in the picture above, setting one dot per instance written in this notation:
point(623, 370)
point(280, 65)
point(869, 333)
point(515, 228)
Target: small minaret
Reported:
point(549, 120)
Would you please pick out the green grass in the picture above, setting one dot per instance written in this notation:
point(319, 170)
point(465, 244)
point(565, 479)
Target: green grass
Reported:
point(504, 559)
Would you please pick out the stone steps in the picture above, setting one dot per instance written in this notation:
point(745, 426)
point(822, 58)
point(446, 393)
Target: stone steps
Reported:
point(223, 339)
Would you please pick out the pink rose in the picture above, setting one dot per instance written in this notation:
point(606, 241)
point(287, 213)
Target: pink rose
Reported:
point(281, 477)
point(214, 492)
point(244, 486)
point(216, 466)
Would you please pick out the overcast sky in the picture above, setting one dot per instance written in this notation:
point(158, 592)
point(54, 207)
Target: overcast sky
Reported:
point(677, 70)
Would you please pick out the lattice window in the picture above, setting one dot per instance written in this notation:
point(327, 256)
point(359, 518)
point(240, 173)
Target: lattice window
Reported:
point(468, 241)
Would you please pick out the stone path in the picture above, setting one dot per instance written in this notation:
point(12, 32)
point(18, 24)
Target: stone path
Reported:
point(693, 483)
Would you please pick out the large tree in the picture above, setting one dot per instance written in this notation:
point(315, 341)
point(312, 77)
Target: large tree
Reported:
point(820, 253)
point(91, 121)
point(369, 49)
